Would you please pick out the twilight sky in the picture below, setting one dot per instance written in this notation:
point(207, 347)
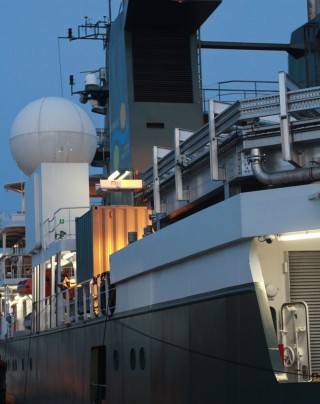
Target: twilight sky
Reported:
point(35, 64)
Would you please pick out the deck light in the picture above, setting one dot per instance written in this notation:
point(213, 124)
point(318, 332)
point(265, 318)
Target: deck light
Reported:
point(124, 175)
point(114, 175)
point(299, 236)
point(68, 255)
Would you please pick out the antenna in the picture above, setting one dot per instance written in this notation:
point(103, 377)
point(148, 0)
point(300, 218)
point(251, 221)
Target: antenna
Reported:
point(98, 31)
point(96, 89)
point(97, 94)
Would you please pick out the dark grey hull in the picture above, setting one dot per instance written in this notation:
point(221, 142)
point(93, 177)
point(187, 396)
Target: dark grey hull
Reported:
point(211, 350)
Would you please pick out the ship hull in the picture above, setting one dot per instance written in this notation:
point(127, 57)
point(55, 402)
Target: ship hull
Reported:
point(211, 348)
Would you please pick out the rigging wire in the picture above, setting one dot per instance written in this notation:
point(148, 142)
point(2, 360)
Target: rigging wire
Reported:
point(105, 325)
point(210, 356)
point(203, 354)
point(168, 343)
point(60, 68)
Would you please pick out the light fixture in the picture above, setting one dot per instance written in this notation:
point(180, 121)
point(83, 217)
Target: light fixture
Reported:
point(118, 185)
point(124, 175)
point(68, 255)
point(63, 262)
point(114, 175)
point(299, 236)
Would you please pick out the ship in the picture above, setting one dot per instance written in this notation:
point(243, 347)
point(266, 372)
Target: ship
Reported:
point(189, 270)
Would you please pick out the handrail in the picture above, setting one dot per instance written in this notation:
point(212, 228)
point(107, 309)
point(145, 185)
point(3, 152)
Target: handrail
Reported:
point(255, 88)
point(14, 266)
point(302, 101)
point(11, 217)
point(84, 301)
point(61, 225)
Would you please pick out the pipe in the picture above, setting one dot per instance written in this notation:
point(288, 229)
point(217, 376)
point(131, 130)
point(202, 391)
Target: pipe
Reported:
point(301, 175)
point(313, 8)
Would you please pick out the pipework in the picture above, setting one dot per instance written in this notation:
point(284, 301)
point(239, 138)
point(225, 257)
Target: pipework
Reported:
point(298, 175)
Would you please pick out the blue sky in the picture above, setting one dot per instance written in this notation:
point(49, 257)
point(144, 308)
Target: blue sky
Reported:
point(30, 67)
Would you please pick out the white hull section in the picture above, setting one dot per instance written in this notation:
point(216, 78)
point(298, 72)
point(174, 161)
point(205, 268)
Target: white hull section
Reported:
point(212, 249)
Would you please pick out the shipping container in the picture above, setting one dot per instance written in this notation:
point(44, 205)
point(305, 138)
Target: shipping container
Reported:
point(102, 231)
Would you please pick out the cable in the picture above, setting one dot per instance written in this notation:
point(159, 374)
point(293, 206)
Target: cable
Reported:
point(28, 356)
point(105, 325)
point(106, 296)
point(230, 361)
point(60, 69)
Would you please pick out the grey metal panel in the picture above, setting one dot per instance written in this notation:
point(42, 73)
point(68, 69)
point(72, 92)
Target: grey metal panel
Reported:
point(170, 381)
point(136, 380)
point(305, 68)
point(114, 374)
point(60, 366)
point(84, 239)
point(208, 352)
point(229, 344)
point(304, 269)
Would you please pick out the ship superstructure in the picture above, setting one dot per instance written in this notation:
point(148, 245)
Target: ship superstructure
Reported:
point(15, 268)
point(199, 271)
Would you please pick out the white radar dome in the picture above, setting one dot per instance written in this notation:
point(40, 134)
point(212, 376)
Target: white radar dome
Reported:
point(52, 130)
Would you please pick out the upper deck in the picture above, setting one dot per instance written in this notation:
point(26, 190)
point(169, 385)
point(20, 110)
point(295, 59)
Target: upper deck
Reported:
point(12, 229)
point(251, 145)
point(12, 222)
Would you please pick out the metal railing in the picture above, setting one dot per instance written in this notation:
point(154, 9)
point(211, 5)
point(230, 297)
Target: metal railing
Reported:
point(15, 266)
point(233, 90)
point(62, 225)
point(12, 218)
point(87, 300)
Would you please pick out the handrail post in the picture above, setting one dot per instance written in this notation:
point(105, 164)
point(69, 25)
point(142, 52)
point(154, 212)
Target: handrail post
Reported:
point(76, 312)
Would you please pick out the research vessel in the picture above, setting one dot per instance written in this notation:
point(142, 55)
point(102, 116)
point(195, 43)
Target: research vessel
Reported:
point(194, 277)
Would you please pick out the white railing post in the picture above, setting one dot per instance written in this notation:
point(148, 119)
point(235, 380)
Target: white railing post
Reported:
point(84, 297)
point(67, 305)
point(91, 301)
point(76, 312)
point(99, 298)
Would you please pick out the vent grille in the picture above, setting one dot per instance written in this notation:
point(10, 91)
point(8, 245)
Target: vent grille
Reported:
point(304, 267)
point(162, 67)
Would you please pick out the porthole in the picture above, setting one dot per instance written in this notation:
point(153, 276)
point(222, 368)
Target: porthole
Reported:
point(132, 358)
point(142, 358)
point(115, 359)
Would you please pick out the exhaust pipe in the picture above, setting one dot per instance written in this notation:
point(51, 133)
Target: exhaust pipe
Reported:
point(300, 175)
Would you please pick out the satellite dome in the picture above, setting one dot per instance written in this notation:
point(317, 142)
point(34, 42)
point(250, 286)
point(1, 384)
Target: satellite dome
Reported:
point(52, 130)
